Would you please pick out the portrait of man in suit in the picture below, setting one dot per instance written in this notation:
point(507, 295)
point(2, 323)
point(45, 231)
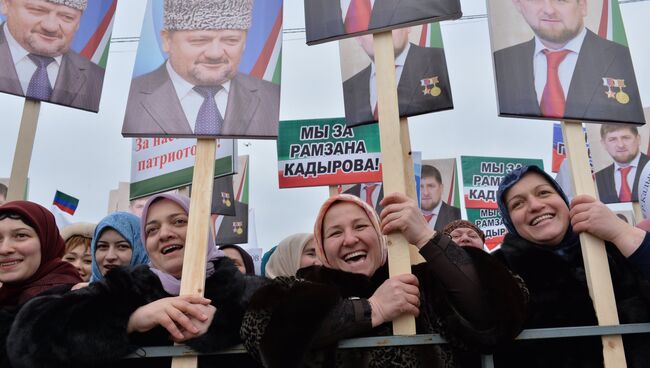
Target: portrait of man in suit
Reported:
point(328, 20)
point(437, 213)
point(619, 181)
point(36, 60)
point(198, 91)
point(371, 193)
point(565, 71)
point(422, 81)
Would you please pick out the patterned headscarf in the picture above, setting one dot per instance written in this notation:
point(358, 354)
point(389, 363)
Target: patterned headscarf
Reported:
point(372, 216)
point(128, 226)
point(458, 224)
point(52, 271)
point(171, 284)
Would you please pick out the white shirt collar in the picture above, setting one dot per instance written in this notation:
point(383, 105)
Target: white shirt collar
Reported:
point(574, 45)
point(183, 87)
point(18, 53)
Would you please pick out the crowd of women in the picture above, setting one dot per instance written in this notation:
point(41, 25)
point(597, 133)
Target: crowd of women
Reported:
point(93, 294)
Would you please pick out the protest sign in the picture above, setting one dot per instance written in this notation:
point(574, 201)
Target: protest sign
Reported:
point(161, 164)
point(323, 152)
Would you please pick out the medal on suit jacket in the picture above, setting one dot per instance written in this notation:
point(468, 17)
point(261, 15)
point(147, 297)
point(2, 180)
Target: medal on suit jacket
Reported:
point(225, 199)
point(238, 227)
point(430, 86)
point(621, 97)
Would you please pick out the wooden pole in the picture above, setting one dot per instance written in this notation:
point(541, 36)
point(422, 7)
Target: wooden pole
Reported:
point(392, 159)
point(23, 152)
point(334, 190)
point(195, 256)
point(593, 249)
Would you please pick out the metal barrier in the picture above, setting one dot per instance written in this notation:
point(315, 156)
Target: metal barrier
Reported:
point(429, 339)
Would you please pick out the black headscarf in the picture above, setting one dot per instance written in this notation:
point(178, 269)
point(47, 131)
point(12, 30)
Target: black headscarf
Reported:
point(248, 260)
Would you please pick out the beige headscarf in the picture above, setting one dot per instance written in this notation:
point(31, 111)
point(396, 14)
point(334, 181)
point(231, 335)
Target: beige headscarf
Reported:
point(285, 260)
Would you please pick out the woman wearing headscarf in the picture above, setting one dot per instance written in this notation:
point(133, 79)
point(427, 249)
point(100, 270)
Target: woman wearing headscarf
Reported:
point(136, 306)
point(30, 261)
point(465, 234)
point(543, 247)
point(352, 294)
point(243, 261)
point(293, 253)
point(117, 242)
point(77, 238)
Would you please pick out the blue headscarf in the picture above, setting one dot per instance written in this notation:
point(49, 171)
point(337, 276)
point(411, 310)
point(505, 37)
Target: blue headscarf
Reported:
point(128, 226)
point(513, 178)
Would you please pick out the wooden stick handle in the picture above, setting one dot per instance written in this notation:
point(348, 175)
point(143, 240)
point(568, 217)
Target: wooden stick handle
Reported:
point(593, 249)
point(392, 159)
point(195, 256)
point(23, 152)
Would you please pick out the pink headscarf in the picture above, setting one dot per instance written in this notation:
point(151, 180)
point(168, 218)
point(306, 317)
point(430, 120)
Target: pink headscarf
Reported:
point(171, 284)
point(347, 198)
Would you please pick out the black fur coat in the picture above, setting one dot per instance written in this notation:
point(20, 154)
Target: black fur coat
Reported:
point(559, 297)
point(298, 323)
point(87, 327)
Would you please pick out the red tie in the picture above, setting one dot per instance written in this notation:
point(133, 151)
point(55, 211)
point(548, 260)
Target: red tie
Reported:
point(428, 217)
point(375, 113)
point(369, 189)
point(625, 194)
point(553, 101)
point(357, 18)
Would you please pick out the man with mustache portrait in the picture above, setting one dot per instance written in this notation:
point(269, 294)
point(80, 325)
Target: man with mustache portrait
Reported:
point(35, 56)
point(199, 91)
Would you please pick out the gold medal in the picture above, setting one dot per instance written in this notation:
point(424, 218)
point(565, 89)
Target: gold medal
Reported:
point(435, 91)
point(239, 231)
point(228, 203)
point(622, 97)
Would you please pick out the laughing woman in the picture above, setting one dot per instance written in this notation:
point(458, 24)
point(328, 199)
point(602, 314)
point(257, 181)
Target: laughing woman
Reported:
point(136, 306)
point(543, 247)
point(30, 261)
point(352, 295)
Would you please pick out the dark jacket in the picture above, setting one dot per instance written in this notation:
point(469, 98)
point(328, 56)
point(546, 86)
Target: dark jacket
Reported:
point(87, 327)
point(299, 323)
point(559, 297)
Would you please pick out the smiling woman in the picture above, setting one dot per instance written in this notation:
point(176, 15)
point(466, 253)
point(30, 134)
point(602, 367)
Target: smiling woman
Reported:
point(353, 295)
point(30, 261)
point(542, 246)
point(139, 306)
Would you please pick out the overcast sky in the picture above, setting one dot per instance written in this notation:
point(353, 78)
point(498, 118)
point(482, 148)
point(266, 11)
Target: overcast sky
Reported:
point(84, 155)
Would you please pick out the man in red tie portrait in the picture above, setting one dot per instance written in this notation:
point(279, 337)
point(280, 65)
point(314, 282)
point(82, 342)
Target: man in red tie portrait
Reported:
point(437, 213)
point(328, 20)
point(565, 71)
point(619, 181)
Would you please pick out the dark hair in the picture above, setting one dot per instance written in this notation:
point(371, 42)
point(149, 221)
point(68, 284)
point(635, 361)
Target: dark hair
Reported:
point(608, 128)
point(3, 190)
point(429, 171)
point(16, 216)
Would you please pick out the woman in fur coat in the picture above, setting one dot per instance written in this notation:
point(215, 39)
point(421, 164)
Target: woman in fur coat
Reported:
point(463, 294)
point(30, 262)
point(138, 306)
point(543, 247)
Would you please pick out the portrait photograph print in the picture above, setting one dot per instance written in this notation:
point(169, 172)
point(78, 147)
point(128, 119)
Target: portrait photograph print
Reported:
point(619, 153)
point(563, 60)
point(420, 70)
point(207, 68)
point(55, 50)
point(329, 20)
point(437, 183)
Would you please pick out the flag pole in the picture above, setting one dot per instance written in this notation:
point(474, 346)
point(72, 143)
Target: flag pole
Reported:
point(23, 152)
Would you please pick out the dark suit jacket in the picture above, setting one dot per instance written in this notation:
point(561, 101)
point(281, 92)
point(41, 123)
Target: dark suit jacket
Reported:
point(355, 190)
point(607, 186)
point(586, 99)
point(78, 84)
point(446, 215)
point(154, 110)
point(227, 232)
point(420, 63)
point(324, 18)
